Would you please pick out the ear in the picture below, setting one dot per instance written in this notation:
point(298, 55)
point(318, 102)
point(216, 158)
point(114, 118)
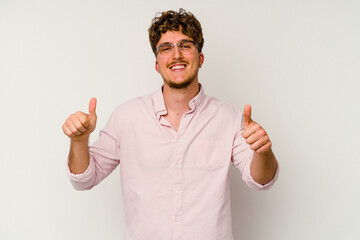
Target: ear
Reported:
point(156, 66)
point(202, 58)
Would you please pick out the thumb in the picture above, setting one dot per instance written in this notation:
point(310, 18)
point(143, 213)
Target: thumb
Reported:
point(92, 107)
point(247, 115)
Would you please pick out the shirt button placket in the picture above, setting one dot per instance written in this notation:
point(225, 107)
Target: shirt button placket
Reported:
point(178, 178)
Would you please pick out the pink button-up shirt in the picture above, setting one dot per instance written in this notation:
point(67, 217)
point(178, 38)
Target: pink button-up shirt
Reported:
point(175, 184)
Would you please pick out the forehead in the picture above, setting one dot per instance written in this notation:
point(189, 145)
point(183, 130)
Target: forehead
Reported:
point(172, 37)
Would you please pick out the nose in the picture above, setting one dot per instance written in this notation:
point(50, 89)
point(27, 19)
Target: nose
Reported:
point(177, 52)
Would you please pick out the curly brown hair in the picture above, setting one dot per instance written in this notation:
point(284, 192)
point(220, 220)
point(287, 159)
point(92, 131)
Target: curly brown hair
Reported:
point(174, 21)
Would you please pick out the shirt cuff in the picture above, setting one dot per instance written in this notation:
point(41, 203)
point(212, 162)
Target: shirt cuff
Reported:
point(82, 181)
point(257, 186)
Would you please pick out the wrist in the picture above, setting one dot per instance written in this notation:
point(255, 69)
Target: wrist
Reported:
point(82, 140)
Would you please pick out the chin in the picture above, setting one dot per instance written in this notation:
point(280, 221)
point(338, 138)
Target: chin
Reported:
point(180, 85)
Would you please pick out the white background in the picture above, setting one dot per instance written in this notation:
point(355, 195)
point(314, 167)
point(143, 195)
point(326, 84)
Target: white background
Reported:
point(296, 62)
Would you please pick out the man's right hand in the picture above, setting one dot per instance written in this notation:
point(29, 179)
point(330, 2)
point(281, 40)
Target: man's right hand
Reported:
point(79, 125)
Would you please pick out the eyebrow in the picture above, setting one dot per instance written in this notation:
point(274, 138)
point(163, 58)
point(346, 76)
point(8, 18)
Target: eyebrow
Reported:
point(185, 39)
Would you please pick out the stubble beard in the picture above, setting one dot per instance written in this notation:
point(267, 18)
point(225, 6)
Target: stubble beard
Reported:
point(181, 85)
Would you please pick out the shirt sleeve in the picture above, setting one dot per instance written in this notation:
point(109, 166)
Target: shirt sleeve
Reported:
point(104, 158)
point(242, 156)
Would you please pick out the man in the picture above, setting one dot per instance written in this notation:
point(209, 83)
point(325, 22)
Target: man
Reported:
point(174, 146)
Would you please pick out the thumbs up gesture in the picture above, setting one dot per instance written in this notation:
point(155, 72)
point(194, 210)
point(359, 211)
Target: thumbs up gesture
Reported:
point(254, 134)
point(79, 125)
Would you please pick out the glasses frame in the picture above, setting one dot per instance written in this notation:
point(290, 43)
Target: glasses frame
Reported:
point(177, 44)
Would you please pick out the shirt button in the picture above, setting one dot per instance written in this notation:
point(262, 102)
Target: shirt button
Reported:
point(178, 139)
point(177, 192)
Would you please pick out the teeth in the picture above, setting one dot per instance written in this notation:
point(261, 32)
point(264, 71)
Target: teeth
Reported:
point(178, 67)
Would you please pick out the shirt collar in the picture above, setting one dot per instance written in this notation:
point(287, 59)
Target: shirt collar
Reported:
point(159, 104)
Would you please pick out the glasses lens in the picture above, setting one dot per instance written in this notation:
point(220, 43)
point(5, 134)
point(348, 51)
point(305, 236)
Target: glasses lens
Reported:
point(187, 47)
point(165, 50)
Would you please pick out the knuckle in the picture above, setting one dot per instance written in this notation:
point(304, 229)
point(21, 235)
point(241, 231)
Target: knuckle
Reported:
point(79, 114)
point(244, 135)
point(65, 129)
point(80, 127)
point(67, 132)
point(262, 132)
point(253, 147)
point(77, 126)
point(83, 119)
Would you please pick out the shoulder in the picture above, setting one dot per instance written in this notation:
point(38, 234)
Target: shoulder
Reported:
point(130, 113)
point(228, 114)
point(221, 107)
point(133, 105)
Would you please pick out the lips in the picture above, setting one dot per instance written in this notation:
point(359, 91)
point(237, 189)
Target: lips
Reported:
point(178, 67)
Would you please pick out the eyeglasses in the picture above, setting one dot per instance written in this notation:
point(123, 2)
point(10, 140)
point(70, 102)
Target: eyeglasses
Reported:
point(185, 47)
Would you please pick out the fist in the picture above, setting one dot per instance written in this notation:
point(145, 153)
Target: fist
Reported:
point(79, 125)
point(254, 134)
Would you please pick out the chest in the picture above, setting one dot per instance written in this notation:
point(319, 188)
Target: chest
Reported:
point(158, 149)
point(174, 120)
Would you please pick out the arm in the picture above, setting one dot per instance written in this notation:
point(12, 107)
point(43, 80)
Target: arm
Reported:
point(79, 157)
point(263, 167)
point(264, 164)
point(78, 128)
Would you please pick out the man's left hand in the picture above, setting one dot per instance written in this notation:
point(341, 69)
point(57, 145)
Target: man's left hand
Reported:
point(254, 134)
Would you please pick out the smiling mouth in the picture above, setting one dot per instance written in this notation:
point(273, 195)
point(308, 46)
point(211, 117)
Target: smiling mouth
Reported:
point(178, 67)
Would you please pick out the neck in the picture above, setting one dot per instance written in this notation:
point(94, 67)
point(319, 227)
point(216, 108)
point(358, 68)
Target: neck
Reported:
point(177, 100)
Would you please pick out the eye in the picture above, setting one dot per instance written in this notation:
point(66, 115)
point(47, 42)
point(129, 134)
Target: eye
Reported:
point(186, 45)
point(165, 48)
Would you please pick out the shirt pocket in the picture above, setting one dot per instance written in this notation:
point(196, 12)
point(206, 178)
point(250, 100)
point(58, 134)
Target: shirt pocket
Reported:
point(209, 154)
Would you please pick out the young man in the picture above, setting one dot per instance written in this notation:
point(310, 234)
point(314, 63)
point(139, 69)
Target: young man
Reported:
point(174, 146)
